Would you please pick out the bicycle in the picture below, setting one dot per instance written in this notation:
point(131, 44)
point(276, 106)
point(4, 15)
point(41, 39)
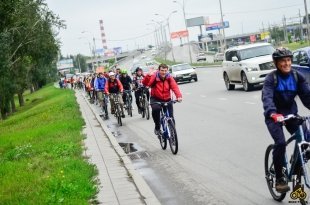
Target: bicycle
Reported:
point(103, 104)
point(298, 164)
point(128, 102)
point(144, 103)
point(168, 131)
point(117, 107)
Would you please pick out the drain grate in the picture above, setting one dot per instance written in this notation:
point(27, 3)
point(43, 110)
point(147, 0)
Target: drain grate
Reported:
point(138, 155)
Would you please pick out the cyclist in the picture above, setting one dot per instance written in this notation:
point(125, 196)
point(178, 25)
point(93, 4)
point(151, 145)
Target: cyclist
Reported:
point(99, 84)
point(138, 86)
point(161, 84)
point(278, 94)
point(126, 82)
point(113, 85)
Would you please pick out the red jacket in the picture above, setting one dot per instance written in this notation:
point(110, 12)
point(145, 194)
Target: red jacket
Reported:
point(161, 88)
point(113, 87)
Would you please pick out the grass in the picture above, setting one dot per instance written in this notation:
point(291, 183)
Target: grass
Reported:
point(41, 158)
point(295, 45)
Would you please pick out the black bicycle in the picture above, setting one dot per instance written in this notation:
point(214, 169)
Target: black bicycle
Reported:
point(144, 103)
point(117, 107)
point(103, 104)
point(297, 169)
point(128, 102)
point(168, 131)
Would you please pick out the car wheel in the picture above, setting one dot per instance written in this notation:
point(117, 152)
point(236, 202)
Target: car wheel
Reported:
point(246, 85)
point(227, 83)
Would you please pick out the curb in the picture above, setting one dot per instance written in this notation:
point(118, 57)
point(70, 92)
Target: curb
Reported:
point(143, 188)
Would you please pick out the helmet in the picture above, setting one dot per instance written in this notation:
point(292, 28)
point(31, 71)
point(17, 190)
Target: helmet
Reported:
point(281, 53)
point(123, 71)
point(138, 68)
point(111, 74)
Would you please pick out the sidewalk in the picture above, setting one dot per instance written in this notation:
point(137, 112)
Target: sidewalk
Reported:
point(119, 182)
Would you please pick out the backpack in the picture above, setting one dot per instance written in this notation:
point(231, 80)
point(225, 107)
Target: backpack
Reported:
point(275, 79)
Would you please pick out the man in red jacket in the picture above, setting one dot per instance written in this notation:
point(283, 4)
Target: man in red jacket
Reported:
point(161, 84)
point(114, 86)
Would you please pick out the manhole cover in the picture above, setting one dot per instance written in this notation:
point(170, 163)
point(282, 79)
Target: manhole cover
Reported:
point(132, 151)
point(138, 155)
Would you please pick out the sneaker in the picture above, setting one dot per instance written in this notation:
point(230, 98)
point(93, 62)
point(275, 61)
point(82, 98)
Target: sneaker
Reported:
point(157, 131)
point(282, 186)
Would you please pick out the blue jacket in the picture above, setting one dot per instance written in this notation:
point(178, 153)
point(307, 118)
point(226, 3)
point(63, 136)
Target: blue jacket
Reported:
point(280, 98)
point(100, 83)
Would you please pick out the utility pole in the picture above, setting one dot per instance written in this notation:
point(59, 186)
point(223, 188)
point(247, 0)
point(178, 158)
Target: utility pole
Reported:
point(284, 29)
point(189, 44)
point(301, 29)
point(222, 22)
point(307, 20)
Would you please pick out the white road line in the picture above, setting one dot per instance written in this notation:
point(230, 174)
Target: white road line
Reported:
point(222, 98)
point(251, 103)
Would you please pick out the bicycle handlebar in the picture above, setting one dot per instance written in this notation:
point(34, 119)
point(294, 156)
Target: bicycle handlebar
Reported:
point(164, 103)
point(292, 116)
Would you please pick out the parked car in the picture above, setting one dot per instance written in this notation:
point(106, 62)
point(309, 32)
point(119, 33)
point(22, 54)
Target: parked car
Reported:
point(218, 57)
point(247, 65)
point(201, 57)
point(301, 61)
point(183, 72)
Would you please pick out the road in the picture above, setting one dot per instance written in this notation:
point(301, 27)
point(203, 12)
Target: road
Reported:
point(222, 141)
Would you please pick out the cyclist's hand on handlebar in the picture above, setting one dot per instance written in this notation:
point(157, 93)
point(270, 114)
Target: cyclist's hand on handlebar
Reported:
point(179, 99)
point(277, 117)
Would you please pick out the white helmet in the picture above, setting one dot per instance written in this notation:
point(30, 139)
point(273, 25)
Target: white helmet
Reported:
point(111, 73)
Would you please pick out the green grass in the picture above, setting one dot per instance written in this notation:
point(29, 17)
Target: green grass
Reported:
point(295, 45)
point(41, 158)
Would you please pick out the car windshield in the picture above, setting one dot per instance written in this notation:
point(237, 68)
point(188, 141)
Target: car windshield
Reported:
point(181, 67)
point(255, 52)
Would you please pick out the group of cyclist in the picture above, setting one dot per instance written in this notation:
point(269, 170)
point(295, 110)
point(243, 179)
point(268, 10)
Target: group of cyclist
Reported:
point(100, 86)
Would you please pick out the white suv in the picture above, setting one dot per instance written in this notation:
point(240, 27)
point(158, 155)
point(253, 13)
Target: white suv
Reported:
point(247, 65)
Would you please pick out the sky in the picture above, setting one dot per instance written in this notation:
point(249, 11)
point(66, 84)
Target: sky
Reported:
point(128, 23)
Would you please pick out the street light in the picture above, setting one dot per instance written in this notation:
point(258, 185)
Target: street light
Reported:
point(161, 30)
point(183, 9)
point(222, 24)
point(155, 35)
point(90, 49)
point(167, 19)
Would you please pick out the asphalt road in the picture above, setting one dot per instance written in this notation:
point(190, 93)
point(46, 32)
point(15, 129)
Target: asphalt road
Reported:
point(222, 142)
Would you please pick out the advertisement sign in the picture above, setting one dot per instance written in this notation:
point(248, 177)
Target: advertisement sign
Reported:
point(265, 35)
point(198, 21)
point(65, 64)
point(109, 53)
point(252, 38)
point(117, 50)
point(217, 26)
point(179, 34)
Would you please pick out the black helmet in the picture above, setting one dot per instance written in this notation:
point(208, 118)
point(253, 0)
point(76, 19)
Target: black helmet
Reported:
point(281, 53)
point(138, 68)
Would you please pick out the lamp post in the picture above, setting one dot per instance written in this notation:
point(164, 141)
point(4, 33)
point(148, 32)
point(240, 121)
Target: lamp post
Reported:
point(167, 19)
point(94, 48)
point(91, 52)
point(183, 9)
point(155, 35)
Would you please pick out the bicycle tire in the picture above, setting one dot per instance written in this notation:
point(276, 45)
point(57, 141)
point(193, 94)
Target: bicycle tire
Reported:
point(146, 108)
point(173, 138)
point(143, 109)
point(162, 141)
point(105, 110)
point(270, 177)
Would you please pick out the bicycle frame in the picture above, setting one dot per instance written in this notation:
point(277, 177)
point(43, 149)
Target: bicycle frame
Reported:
point(299, 138)
point(164, 120)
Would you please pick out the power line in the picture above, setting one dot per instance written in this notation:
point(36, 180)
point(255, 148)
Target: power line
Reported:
point(246, 12)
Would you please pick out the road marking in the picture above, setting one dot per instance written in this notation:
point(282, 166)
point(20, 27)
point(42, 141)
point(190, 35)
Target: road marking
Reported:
point(251, 103)
point(222, 98)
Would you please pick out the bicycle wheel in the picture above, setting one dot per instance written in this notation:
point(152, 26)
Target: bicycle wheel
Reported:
point(271, 176)
point(118, 115)
point(143, 109)
point(162, 141)
point(173, 138)
point(105, 110)
point(146, 108)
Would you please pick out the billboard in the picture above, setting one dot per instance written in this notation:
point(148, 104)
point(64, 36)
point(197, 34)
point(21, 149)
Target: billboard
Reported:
point(65, 64)
point(198, 21)
point(179, 34)
point(217, 26)
point(117, 50)
point(265, 35)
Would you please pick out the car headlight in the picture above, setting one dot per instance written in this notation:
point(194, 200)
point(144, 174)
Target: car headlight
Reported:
point(248, 69)
point(178, 76)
